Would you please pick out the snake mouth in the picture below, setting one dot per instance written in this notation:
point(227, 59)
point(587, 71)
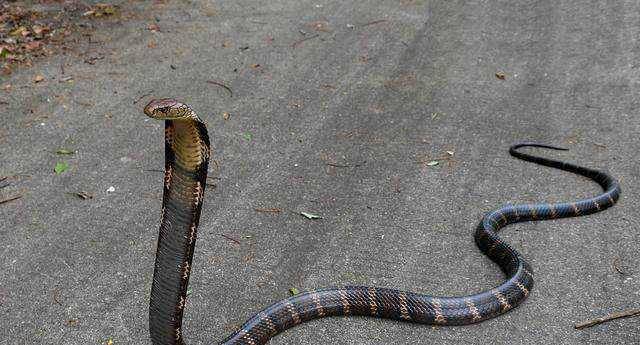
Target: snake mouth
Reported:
point(161, 108)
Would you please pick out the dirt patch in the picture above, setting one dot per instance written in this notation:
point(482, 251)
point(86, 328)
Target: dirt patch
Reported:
point(31, 30)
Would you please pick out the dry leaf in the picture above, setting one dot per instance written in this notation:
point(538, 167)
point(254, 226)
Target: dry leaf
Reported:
point(19, 31)
point(84, 195)
point(40, 30)
point(501, 75)
point(32, 45)
point(226, 115)
point(320, 25)
point(153, 27)
point(295, 104)
point(38, 78)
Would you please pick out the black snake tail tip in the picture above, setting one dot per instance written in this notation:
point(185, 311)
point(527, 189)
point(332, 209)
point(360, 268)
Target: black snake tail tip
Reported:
point(513, 149)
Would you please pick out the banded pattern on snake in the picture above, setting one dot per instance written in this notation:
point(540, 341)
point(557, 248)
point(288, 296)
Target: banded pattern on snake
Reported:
point(187, 154)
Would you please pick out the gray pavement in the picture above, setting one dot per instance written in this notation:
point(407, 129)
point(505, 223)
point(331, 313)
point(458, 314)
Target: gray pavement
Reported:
point(336, 108)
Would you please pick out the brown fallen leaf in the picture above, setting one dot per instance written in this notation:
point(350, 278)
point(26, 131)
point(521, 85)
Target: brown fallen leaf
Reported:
point(320, 25)
point(5, 50)
point(295, 104)
point(39, 30)
point(19, 31)
point(226, 116)
point(153, 27)
point(84, 195)
point(38, 78)
point(29, 46)
point(5, 70)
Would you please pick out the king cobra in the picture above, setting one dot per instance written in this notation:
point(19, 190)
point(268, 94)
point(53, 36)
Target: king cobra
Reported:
point(187, 153)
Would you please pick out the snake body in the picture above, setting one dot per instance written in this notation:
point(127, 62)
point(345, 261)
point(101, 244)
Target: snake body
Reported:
point(186, 159)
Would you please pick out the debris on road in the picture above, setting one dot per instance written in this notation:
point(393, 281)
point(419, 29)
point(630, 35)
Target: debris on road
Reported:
point(299, 42)
point(10, 199)
point(606, 318)
point(221, 84)
point(310, 215)
point(230, 238)
point(269, 210)
point(82, 195)
point(61, 167)
point(64, 152)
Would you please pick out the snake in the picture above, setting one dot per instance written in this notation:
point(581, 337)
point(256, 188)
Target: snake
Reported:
point(187, 154)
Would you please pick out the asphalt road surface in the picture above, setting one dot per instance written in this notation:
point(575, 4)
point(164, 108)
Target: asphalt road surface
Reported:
point(334, 108)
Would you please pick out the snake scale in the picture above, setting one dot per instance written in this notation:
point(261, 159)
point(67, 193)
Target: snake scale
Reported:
point(187, 153)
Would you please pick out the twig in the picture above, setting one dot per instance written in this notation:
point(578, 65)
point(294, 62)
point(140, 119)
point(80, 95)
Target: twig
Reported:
point(55, 296)
point(298, 42)
point(82, 195)
point(612, 316)
point(230, 238)
point(92, 60)
point(374, 22)
point(143, 96)
point(221, 85)
point(10, 199)
point(269, 210)
point(601, 145)
point(616, 266)
point(336, 165)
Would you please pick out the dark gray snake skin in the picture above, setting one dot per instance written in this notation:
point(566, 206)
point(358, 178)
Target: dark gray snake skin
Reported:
point(186, 159)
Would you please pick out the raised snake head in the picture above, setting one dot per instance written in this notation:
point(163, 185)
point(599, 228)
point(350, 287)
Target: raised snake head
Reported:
point(169, 109)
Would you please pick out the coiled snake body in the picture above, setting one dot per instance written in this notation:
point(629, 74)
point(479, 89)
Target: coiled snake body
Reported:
point(187, 154)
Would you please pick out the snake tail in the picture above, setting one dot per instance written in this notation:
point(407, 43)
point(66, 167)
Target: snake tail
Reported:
point(187, 153)
point(414, 307)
